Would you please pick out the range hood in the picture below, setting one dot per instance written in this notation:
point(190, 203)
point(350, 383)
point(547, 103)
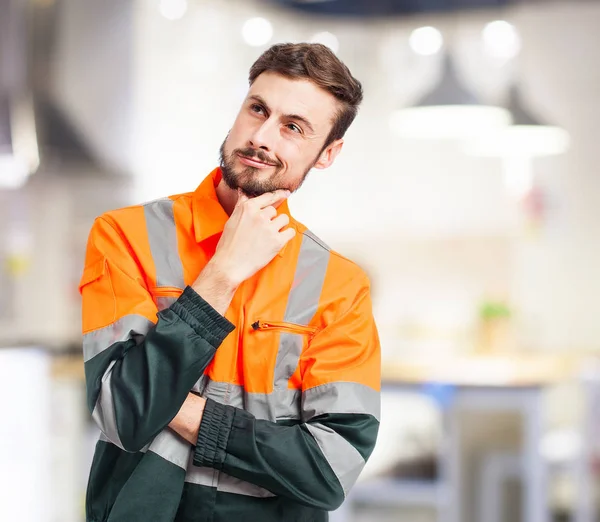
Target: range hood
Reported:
point(19, 153)
point(33, 130)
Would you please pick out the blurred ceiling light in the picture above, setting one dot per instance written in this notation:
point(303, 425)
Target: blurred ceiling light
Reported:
point(19, 155)
point(519, 143)
point(449, 111)
point(426, 41)
point(501, 40)
point(257, 31)
point(527, 136)
point(173, 9)
point(327, 39)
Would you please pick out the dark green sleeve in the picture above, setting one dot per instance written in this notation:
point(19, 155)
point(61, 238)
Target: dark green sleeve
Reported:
point(292, 461)
point(136, 386)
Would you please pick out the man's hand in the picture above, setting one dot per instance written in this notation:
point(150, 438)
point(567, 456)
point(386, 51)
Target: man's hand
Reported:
point(187, 422)
point(252, 237)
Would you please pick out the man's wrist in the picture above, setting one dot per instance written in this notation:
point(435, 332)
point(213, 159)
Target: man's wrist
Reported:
point(214, 274)
point(187, 421)
point(216, 287)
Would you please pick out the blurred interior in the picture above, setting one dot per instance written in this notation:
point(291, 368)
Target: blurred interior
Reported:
point(468, 189)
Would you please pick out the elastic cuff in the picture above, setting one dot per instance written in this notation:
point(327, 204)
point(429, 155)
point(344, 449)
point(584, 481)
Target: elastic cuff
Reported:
point(203, 318)
point(213, 435)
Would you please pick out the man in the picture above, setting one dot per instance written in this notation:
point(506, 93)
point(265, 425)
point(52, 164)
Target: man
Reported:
point(231, 358)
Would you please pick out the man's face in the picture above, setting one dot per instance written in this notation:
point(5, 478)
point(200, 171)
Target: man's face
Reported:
point(279, 135)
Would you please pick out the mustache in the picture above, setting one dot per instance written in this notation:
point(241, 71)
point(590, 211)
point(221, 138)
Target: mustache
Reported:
point(249, 152)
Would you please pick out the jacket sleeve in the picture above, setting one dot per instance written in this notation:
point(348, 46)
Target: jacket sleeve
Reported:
point(317, 461)
point(140, 364)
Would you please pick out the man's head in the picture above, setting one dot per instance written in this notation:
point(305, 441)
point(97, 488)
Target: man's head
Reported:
point(301, 101)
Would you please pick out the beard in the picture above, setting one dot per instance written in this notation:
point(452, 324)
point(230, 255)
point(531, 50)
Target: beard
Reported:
point(246, 178)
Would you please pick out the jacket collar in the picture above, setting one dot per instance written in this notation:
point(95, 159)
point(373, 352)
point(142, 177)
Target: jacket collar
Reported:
point(209, 216)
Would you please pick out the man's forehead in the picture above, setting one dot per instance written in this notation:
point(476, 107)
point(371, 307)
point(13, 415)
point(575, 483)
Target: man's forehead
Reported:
point(291, 96)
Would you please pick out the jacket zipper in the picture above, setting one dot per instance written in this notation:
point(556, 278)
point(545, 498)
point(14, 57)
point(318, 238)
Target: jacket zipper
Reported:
point(286, 327)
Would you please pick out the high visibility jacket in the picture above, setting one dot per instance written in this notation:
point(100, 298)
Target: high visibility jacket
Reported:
point(291, 374)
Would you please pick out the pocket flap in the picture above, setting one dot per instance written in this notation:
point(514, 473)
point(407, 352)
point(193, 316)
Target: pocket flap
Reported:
point(92, 272)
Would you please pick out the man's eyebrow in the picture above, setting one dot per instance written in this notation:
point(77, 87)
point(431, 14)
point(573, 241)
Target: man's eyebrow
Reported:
point(302, 119)
point(297, 117)
point(258, 99)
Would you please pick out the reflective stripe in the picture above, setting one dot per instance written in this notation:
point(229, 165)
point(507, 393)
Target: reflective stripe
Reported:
point(201, 475)
point(200, 384)
point(171, 447)
point(129, 326)
point(317, 240)
point(162, 236)
point(345, 461)
point(286, 404)
point(302, 304)
point(340, 397)
point(104, 411)
point(212, 478)
point(204, 476)
point(281, 404)
point(229, 484)
point(222, 392)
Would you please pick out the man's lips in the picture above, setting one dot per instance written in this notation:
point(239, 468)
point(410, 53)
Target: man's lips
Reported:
point(251, 162)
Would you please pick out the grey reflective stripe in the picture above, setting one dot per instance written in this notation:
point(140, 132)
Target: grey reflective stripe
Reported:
point(171, 447)
point(316, 239)
point(286, 403)
point(281, 404)
point(129, 326)
point(340, 397)
point(345, 461)
point(104, 411)
point(200, 384)
point(202, 476)
point(229, 484)
point(302, 304)
point(288, 356)
point(162, 236)
point(163, 302)
point(210, 477)
point(221, 392)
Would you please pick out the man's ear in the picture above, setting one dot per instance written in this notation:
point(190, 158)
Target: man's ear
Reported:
point(327, 157)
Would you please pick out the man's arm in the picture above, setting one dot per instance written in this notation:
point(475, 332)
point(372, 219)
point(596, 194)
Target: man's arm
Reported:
point(140, 365)
point(317, 461)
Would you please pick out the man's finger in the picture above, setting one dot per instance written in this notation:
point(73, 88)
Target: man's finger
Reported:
point(274, 198)
point(287, 234)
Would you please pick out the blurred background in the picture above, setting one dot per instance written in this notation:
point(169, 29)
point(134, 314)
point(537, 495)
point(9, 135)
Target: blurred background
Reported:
point(468, 189)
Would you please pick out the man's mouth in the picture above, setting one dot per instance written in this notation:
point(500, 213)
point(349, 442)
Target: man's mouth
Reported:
point(253, 162)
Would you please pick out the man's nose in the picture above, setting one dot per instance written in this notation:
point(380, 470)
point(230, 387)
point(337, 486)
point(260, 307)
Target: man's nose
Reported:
point(264, 136)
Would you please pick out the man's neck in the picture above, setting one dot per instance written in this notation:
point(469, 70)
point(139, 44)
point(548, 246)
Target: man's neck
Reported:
point(227, 197)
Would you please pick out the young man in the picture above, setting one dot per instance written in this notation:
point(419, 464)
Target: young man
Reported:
point(231, 358)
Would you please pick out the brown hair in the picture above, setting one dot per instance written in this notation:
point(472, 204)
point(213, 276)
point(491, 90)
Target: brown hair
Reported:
point(317, 63)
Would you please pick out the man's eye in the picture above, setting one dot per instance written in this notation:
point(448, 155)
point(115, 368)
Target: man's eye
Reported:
point(293, 127)
point(256, 108)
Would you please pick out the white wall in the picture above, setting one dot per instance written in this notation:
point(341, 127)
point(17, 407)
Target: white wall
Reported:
point(158, 96)
point(54, 213)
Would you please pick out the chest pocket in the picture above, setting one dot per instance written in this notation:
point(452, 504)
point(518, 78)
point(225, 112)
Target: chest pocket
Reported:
point(165, 296)
point(292, 340)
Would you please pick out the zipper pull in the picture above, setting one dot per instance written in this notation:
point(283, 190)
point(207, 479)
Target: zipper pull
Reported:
point(256, 325)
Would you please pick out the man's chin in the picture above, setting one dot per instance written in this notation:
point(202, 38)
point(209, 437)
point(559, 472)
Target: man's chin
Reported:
point(251, 194)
